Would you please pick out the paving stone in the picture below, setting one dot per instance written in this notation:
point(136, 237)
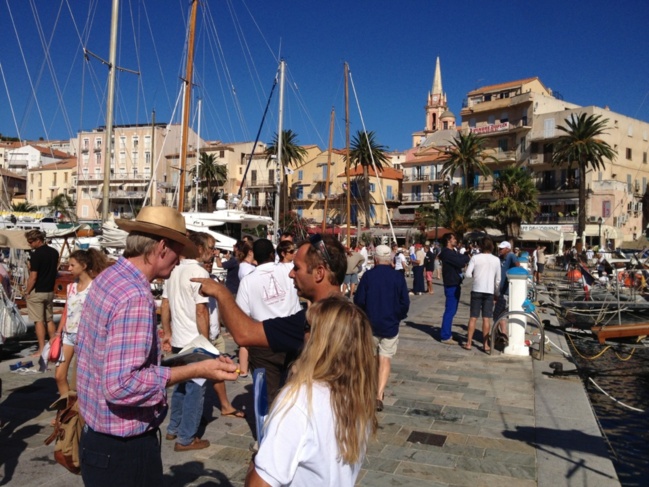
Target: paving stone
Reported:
point(418, 455)
point(378, 479)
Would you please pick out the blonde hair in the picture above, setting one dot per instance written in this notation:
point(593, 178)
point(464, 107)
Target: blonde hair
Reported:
point(339, 354)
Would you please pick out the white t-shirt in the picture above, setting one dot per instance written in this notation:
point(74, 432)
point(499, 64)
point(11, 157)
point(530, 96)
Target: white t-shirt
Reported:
point(183, 296)
point(268, 292)
point(245, 268)
point(365, 255)
point(399, 262)
point(299, 446)
point(485, 270)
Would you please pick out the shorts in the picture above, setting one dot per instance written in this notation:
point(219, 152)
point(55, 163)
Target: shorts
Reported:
point(386, 347)
point(502, 306)
point(351, 279)
point(219, 343)
point(539, 268)
point(69, 339)
point(40, 306)
point(481, 303)
point(429, 275)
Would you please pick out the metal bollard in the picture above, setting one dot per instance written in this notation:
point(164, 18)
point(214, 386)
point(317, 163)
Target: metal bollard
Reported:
point(517, 295)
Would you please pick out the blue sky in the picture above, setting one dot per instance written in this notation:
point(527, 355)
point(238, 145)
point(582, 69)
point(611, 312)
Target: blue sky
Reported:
point(592, 53)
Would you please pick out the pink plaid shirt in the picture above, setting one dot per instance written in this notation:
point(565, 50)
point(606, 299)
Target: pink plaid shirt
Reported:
point(120, 384)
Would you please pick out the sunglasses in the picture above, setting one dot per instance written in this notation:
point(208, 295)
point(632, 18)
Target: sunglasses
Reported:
point(319, 245)
point(292, 251)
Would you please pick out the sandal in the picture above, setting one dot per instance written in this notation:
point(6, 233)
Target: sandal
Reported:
point(236, 413)
point(466, 346)
point(379, 405)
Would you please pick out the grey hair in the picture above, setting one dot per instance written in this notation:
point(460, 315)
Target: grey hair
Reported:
point(382, 259)
point(140, 244)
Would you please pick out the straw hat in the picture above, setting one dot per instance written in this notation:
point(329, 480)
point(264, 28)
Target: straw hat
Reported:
point(161, 221)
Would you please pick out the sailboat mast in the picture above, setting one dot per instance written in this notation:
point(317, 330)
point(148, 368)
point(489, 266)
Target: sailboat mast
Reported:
point(326, 196)
point(189, 71)
point(198, 155)
point(348, 162)
point(280, 127)
point(153, 158)
point(110, 106)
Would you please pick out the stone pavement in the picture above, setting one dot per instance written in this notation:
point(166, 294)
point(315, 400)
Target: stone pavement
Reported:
point(452, 418)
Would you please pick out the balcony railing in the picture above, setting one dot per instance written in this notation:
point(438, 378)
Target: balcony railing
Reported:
point(554, 218)
point(417, 198)
point(255, 183)
point(319, 178)
point(128, 195)
point(118, 176)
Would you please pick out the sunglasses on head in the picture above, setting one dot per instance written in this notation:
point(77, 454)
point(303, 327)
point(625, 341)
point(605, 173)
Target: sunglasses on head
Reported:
point(317, 242)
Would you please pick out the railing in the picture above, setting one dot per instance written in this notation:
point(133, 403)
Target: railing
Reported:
point(119, 194)
point(554, 218)
point(260, 182)
point(319, 178)
point(113, 177)
point(415, 198)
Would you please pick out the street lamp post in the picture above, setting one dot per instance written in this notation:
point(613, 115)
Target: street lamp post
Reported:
point(600, 221)
point(436, 208)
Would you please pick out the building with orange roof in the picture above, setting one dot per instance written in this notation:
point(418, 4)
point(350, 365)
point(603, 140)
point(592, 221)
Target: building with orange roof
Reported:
point(31, 156)
point(50, 180)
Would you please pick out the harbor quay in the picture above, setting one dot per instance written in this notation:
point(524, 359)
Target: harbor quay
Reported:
point(452, 417)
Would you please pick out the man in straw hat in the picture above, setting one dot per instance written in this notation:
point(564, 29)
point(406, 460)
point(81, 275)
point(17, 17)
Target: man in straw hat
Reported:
point(121, 385)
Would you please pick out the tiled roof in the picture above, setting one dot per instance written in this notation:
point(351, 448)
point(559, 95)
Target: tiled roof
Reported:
point(69, 163)
point(9, 174)
point(502, 86)
point(50, 152)
point(386, 173)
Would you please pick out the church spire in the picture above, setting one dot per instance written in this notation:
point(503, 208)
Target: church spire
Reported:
point(437, 80)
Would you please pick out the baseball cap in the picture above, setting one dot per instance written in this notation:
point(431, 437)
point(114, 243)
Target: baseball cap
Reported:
point(382, 251)
point(504, 245)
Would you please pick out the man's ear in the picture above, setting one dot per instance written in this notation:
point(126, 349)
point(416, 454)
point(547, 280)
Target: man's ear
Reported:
point(320, 273)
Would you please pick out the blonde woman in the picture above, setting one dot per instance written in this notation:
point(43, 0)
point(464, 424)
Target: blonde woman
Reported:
point(320, 424)
point(84, 265)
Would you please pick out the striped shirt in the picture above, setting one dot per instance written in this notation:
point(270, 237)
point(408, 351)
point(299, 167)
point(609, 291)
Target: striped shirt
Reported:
point(120, 384)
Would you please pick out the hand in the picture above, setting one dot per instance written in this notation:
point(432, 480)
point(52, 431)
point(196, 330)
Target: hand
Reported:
point(165, 341)
point(221, 368)
point(209, 287)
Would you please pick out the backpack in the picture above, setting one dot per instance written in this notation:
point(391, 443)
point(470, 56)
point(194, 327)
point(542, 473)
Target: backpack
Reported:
point(67, 432)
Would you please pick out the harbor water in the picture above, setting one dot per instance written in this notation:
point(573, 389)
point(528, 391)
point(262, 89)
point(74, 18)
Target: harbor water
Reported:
point(623, 373)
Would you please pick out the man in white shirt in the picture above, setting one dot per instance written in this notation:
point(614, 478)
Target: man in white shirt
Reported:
point(485, 270)
point(400, 262)
point(184, 316)
point(268, 292)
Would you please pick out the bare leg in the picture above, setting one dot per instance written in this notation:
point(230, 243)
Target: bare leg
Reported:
point(470, 332)
point(384, 375)
point(51, 329)
point(243, 360)
point(61, 372)
point(40, 336)
point(486, 328)
point(226, 406)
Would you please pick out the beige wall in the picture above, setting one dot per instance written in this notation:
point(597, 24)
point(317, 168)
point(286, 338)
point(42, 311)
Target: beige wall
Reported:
point(44, 184)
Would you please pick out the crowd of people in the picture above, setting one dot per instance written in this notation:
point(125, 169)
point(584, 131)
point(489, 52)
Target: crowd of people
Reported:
point(312, 313)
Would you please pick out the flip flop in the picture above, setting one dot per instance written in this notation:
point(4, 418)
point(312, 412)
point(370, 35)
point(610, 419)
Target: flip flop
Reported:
point(486, 349)
point(379, 405)
point(237, 413)
point(465, 346)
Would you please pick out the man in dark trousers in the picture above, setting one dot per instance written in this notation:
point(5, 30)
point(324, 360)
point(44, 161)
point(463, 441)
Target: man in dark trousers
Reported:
point(452, 267)
point(39, 292)
point(383, 295)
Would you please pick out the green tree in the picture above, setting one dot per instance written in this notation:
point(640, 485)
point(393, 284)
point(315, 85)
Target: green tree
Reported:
point(467, 154)
point(515, 200)
point(462, 210)
point(581, 146)
point(211, 175)
point(23, 207)
point(293, 154)
point(364, 150)
point(62, 203)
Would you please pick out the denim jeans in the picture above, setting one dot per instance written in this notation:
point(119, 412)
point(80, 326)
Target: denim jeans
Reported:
point(186, 411)
point(452, 294)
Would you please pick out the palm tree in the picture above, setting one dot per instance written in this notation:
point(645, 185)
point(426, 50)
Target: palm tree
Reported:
point(515, 201)
point(63, 204)
point(581, 146)
point(209, 172)
point(460, 210)
point(467, 154)
point(364, 150)
point(23, 207)
point(293, 154)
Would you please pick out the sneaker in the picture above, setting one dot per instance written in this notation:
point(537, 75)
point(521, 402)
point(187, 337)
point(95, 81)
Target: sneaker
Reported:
point(196, 444)
point(450, 341)
point(170, 437)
